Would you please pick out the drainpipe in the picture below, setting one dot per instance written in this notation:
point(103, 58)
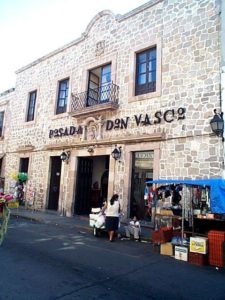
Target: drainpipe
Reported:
point(222, 83)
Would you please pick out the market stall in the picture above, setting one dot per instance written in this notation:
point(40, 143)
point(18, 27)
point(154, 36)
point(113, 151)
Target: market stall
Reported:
point(188, 214)
point(4, 218)
point(7, 202)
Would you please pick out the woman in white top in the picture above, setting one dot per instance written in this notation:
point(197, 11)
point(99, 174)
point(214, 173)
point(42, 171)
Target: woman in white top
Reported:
point(112, 215)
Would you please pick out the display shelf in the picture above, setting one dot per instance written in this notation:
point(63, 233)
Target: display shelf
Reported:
point(192, 233)
point(169, 216)
point(204, 225)
point(209, 219)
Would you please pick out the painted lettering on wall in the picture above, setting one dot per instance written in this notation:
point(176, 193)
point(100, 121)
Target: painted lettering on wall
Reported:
point(117, 124)
point(72, 130)
point(168, 116)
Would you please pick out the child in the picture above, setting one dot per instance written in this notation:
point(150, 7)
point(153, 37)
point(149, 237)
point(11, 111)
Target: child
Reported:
point(133, 228)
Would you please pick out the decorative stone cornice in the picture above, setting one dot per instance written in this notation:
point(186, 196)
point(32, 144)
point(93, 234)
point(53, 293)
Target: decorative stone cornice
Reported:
point(25, 148)
point(7, 92)
point(120, 140)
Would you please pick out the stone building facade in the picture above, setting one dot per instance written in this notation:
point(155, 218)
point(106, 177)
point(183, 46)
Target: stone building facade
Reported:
point(145, 83)
point(5, 119)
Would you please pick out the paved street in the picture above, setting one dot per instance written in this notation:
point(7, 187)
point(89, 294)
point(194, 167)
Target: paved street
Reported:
point(42, 261)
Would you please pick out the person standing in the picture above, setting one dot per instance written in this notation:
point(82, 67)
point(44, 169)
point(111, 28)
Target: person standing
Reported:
point(112, 211)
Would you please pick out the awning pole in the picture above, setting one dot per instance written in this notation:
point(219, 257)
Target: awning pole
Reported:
point(183, 207)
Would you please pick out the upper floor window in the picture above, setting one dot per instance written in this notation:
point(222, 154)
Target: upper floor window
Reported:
point(99, 85)
point(31, 106)
point(1, 122)
point(62, 96)
point(145, 72)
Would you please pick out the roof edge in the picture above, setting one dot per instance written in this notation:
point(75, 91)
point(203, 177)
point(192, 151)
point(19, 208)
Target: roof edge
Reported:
point(117, 17)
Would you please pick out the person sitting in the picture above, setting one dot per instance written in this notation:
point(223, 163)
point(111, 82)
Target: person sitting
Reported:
point(133, 228)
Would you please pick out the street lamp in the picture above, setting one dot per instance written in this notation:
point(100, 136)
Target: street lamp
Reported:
point(217, 124)
point(64, 156)
point(116, 153)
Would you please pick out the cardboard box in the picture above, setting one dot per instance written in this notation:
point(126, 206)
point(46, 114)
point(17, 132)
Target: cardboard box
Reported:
point(181, 253)
point(166, 249)
point(199, 245)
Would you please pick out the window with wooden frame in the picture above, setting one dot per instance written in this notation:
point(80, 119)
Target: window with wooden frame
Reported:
point(145, 72)
point(62, 96)
point(31, 106)
point(1, 122)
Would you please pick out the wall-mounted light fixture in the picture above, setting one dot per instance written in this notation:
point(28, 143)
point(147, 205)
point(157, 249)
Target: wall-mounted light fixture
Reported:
point(91, 149)
point(65, 155)
point(217, 124)
point(116, 153)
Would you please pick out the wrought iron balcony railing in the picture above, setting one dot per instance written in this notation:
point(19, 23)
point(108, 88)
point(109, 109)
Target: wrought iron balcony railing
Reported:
point(104, 94)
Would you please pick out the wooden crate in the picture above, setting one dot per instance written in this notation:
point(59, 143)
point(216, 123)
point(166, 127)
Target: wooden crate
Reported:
point(198, 259)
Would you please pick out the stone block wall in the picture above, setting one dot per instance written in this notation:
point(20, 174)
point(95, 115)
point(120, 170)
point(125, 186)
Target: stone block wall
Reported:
point(186, 33)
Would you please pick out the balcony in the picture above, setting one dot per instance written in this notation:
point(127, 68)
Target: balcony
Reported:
point(97, 100)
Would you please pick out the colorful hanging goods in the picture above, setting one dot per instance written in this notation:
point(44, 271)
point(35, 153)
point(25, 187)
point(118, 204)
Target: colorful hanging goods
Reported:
point(22, 177)
point(14, 176)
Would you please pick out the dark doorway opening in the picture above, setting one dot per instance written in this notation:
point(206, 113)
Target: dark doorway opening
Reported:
point(24, 163)
point(54, 188)
point(84, 180)
point(104, 185)
point(92, 183)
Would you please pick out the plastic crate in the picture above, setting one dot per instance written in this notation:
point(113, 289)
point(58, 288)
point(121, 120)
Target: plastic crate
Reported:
point(216, 240)
point(198, 259)
point(163, 235)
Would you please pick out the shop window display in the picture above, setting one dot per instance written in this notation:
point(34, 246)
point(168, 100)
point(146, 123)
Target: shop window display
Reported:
point(142, 171)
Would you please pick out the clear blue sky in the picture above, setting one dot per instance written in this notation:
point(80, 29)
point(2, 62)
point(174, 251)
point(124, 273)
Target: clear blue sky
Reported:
point(30, 29)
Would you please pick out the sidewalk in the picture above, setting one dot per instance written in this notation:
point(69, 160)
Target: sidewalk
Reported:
point(81, 222)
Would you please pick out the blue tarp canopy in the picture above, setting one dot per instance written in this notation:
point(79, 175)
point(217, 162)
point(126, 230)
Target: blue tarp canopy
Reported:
point(217, 190)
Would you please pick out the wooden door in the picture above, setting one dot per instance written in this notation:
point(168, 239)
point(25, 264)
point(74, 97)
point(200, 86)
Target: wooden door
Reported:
point(83, 186)
point(54, 188)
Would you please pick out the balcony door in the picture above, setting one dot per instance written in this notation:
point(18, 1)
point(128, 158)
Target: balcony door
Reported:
point(93, 89)
point(105, 83)
point(99, 85)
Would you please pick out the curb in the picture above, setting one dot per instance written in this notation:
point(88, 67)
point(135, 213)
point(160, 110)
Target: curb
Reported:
point(54, 223)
